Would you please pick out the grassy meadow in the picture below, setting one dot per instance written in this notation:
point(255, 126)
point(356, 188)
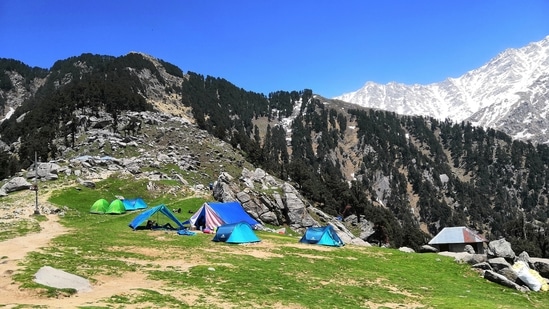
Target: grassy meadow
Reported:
point(278, 272)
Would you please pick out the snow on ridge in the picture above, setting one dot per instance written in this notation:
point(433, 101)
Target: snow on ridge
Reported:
point(485, 95)
point(9, 114)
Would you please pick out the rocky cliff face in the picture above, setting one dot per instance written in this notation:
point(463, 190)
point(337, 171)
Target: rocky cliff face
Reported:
point(162, 94)
point(14, 97)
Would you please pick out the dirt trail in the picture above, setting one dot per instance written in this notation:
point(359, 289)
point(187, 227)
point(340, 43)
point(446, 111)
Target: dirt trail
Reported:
point(14, 250)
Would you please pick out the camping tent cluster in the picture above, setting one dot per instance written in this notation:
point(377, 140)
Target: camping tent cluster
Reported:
point(231, 223)
point(117, 206)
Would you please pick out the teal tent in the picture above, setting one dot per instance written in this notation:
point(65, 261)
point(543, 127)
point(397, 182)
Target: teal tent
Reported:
point(160, 209)
point(134, 203)
point(325, 236)
point(235, 233)
point(116, 207)
point(100, 206)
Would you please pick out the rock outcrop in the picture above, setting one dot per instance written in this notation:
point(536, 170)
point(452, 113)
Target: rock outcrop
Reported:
point(501, 265)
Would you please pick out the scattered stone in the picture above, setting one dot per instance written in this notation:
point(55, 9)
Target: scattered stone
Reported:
point(60, 279)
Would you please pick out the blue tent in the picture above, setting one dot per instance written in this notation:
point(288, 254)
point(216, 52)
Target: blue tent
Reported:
point(235, 233)
point(325, 236)
point(134, 203)
point(214, 214)
point(144, 216)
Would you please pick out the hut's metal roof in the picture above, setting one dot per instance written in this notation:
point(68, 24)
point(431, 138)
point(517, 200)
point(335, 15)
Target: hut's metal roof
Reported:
point(457, 235)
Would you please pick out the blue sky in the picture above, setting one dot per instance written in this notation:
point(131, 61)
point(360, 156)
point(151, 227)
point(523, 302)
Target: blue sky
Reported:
point(331, 47)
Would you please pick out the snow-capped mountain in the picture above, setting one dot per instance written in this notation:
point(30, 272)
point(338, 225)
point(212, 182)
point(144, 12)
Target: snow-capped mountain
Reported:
point(510, 93)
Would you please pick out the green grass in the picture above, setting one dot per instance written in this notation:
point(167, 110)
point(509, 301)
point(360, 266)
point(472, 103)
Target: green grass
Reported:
point(18, 228)
point(275, 273)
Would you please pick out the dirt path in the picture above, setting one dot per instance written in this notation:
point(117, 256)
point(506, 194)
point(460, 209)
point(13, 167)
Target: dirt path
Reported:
point(14, 250)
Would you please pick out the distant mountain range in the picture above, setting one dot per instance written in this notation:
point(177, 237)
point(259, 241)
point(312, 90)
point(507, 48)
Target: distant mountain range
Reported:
point(510, 93)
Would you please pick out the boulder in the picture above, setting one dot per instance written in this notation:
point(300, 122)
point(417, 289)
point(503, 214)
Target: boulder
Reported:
point(509, 273)
point(243, 197)
point(500, 248)
point(482, 265)
point(499, 263)
point(269, 217)
point(16, 184)
point(502, 280)
point(525, 257)
point(60, 279)
point(464, 257)
point(428, 249)
point(297, 212)
point(46, 171)
point(541, 266)
point(359, 242)
point(469, 249)
point(406, 249)
point(87, 183)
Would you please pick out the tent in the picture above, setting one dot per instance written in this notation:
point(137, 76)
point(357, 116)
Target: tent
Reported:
point(214, 214)
point(145, 215)
point(454, 239)
point(100, 206)
point(235, 233)
point(134, 204)
point(325, 236)
point(116, 207)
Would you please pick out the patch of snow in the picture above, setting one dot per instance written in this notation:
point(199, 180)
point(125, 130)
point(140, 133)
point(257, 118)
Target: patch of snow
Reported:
point(8, 115)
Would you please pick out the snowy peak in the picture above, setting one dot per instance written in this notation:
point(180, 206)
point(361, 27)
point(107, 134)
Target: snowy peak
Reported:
point(494, 95)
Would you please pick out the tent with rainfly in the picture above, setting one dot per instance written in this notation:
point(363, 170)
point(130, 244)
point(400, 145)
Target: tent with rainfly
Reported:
point(100, 206)
point(134, 204)
point(325, 236)
point(160, 209)
point(214, 214)
point(235, 233)
point(116, 207)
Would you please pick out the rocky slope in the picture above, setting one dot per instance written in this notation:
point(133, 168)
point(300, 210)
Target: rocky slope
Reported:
point(163, 142)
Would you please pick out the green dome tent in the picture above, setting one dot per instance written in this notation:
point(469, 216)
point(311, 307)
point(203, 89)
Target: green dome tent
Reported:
point(100, 206)
point(116, 207)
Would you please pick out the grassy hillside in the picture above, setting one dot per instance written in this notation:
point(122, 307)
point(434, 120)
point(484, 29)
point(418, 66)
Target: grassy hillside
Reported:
point(278, 272)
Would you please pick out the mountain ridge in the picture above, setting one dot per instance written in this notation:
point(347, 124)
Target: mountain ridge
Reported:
point(488, 96)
